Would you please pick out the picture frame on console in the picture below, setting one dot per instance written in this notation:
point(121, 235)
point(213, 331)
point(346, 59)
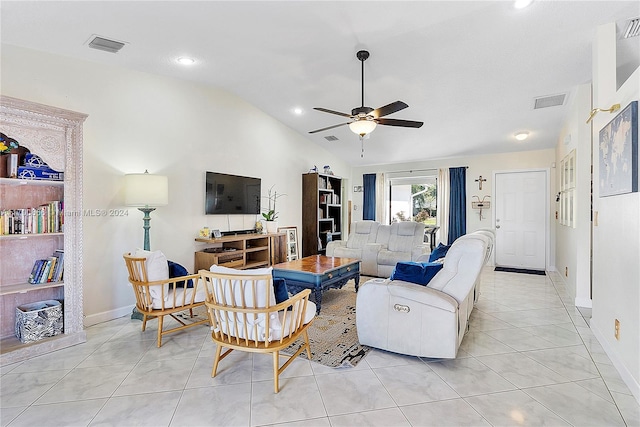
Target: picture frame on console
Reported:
point(292, 241)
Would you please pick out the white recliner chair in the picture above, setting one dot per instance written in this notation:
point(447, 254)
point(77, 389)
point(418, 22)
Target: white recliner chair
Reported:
point(362, 233)
point(400, 241)
point(381, 247)
point(426, 321)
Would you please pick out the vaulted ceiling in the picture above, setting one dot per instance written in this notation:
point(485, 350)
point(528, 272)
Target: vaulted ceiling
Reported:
point(470, 70)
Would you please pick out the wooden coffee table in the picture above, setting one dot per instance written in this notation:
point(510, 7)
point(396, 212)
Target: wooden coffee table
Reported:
point(318, 273)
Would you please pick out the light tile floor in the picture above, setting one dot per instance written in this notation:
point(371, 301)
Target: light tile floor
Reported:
point(529, 358)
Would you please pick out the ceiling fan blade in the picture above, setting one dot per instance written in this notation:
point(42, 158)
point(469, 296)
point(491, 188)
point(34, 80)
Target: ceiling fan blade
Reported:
point(401, 123)
point(329, 127)
point(388, 109)
point(324, 110)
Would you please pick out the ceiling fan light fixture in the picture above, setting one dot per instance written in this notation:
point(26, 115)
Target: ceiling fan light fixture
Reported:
point(521, 4)
point(362, 127)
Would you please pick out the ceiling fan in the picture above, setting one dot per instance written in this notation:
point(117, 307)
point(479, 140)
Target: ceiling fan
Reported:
point(365, 119)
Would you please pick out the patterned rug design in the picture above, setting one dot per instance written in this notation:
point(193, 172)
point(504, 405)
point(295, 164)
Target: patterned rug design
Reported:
point(332, 335)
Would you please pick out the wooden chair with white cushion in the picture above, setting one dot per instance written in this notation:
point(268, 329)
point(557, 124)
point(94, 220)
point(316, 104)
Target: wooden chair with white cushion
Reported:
point(244, 315)
point(157, 295)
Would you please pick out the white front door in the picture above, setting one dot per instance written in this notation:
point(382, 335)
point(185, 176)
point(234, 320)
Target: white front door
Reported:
point(520, 219)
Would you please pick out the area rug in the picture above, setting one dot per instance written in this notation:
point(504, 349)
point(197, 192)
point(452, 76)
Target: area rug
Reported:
point(332, 335)
point(520, 270)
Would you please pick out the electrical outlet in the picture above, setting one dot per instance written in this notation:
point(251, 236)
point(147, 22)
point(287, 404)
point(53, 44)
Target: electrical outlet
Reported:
point(617, 333)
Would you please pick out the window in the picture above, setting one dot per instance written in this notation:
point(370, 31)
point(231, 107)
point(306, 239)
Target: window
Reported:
point(568, 189)
point(413, 199)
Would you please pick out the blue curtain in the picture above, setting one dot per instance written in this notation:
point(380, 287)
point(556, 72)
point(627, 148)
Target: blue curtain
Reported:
point(369, 202)
point(457, 203)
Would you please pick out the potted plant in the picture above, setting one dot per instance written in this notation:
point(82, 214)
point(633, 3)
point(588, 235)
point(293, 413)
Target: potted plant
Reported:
point(271, 215)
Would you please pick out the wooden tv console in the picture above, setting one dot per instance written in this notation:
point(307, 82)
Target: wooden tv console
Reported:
point(241, 251)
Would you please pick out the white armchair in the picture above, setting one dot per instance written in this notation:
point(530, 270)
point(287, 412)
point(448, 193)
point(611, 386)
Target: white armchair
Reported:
point(246, 316)
point(158, 296)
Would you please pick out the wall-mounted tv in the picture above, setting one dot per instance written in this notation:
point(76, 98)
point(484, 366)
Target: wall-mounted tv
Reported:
point(231, 194)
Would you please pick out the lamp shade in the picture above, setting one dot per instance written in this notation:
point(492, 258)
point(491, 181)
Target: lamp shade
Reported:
point(362, 127)
point(145, 189)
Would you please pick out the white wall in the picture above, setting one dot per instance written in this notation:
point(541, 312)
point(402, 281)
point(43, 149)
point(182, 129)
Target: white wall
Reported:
point(573, 244)
point(140, 121)
point(478, 165)
point(616, 237)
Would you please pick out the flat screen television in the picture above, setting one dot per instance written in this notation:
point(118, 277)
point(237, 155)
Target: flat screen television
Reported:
point(231, 194)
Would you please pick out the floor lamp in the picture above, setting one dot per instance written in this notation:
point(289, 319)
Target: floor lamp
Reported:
point(146, 191)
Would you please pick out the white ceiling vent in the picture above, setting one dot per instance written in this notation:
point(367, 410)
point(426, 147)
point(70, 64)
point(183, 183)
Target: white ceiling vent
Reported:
point(331, 138)
point(107, 45)
point(633, 29)
point(549, 101)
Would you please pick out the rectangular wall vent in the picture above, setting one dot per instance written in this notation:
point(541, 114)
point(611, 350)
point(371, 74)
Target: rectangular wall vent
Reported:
point(633, 28)
point(331, 138)
point(549, 101)
point(107, 45)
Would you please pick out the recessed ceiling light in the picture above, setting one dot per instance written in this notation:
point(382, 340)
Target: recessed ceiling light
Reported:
point(185, 60)
point(521, 4)
point(521, 136)
point(297, 111)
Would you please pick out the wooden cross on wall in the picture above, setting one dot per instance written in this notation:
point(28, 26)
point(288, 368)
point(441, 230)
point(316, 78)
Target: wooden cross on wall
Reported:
point(480, 180)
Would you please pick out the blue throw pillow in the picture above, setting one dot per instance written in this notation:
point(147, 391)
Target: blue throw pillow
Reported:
point(176, 270)
point(420, 273)
point(280, 290)
point(439, 252)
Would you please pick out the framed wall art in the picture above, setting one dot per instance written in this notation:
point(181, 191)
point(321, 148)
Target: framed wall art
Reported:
point(292, 241)
point(618, 153)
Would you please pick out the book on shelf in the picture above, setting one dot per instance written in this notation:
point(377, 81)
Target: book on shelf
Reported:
point(37, 266)
point(46, 218)
point(330, 199)
point(52, 268)
point(57, 275)
point(46, 270)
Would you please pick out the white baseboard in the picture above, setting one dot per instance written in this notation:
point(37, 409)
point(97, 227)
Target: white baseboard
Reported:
point(583, 302)
point(629, 380)
point(578, 301)
point(105, 316)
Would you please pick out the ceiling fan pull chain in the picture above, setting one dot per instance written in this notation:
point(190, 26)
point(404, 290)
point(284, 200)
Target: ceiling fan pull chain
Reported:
point(362, 146)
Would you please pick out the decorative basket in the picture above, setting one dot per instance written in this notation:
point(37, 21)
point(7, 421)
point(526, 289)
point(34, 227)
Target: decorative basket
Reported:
point(39, 320)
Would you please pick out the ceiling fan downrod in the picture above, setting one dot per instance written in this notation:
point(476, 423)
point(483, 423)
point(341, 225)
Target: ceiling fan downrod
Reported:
point(362, 55)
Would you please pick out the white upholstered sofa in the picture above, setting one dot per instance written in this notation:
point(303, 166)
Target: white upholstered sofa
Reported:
point(427, 321)
point(381, 247)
